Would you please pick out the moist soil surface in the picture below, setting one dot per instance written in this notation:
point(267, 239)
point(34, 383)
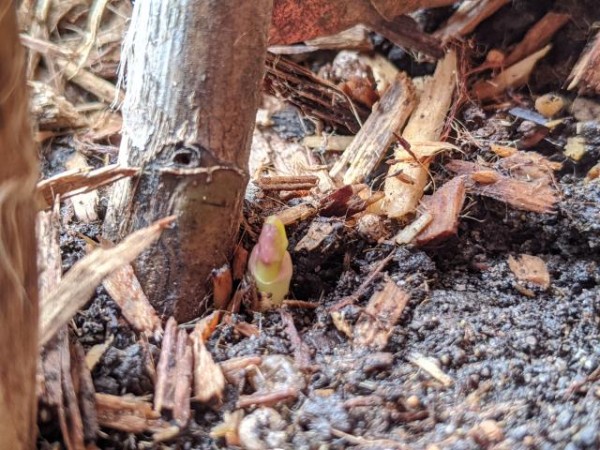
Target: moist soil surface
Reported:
point(524, 361)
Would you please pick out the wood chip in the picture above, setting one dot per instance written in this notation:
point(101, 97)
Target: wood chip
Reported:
point(125, 289)
point(84, 204)
point(425, 125)
point(222, 286)
point(445, 206)
point(410, 232)
point(466, 18)
point(431, 367)
point(127, 413)
point(585, 76)
point(513, 77)
point(530, 268)
point(537, 196)
point(315, 236)
point(71, 294)
point(287, 183)
point(209, 381)
point(302, 355)
point(164, 390)
point(537, 36)
point(77, 181)
point(376, 323)
point(295, 214)
point(370, 144)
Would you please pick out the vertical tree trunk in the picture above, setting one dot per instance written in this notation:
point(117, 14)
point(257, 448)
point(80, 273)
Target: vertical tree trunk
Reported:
point(193, 82)
point(18, 276)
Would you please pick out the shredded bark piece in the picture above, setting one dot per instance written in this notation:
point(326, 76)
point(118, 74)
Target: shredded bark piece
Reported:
point(530, 268)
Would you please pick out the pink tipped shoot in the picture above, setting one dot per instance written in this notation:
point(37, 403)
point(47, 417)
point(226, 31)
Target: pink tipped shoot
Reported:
point(270, 263)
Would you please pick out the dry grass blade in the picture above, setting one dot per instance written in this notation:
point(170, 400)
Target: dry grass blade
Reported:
point(80, 282)
point(73, 182)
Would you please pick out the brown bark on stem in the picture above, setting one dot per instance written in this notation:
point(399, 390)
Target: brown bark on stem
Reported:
point(194, 69)
point(18, 273)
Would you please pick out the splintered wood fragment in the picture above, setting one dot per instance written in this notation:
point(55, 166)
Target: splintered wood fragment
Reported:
point(125, 289)
point(183, 379)
point(537, 196)
point(585, 76)
point(301, 350)
point(314, 96)
point(268, 399)
point(445, 206)
point(513, 77)
point(209, 381)
point(52, 111)
point(71, 294)
point(333, 142)
point(466, 18)
point(409, 232)
point(164, 390)
point(229, 428)
point(84, 204)
point(372, 141)
point(295, 214)
point(376, 322)
point(538, 36)
point(222, 286)
point(431, 367)
point(74, 433)
point(425, 126)
point(128, 414)
point(530, 268)
point(287, 182)
point(77, 181)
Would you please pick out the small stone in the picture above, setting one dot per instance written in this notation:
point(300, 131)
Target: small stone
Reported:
point(486, 433)
point(413, 402)
point(549, 105)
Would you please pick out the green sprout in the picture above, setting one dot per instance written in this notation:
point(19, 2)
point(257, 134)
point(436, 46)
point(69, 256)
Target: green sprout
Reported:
point(270, 263)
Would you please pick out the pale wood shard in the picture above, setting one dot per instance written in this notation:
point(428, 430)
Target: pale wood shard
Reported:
point(431, 367)
point(240, 262)
point(377, 133)
point(409, 232)
point(537, 36)
point(209, 381)
point(466, 18)
point(445, 206)
point(314, 237)
point(164, 390)
point(425, 126)
point(513, 77)
point(537, 196)
point(234, 369)
point(530, 268)
point(585, 76)
point(74, 182)
point(183, 379)
point(376, 323)
point(355, 38)
point(125, 289)
point(128, 414)
point(84, 389)
point(84, 204)
point(71, 294)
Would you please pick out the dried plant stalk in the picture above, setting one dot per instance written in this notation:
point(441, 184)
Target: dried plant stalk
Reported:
point(466, 18)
